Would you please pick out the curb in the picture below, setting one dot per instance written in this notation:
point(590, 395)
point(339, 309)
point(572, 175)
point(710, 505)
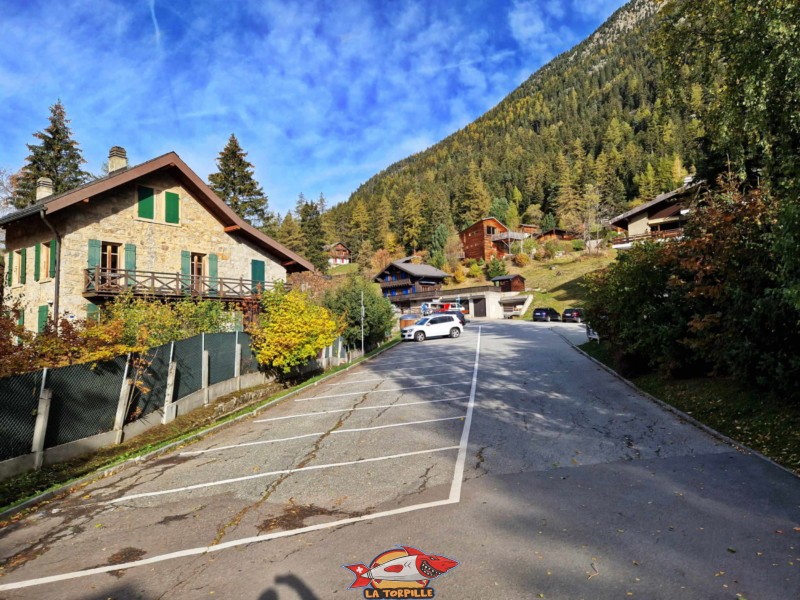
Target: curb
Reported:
point(107, 472)
point(679, 413)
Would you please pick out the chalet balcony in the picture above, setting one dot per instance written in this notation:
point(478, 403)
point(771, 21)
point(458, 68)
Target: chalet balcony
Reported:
point(626, 241)
point(385, 285)
point(509, 236)
point(102, 283)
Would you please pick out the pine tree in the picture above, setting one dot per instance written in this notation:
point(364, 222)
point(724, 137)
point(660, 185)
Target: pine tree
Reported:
point(310, 217)
point(290, 235)
point(382, 219)
point(359, 223)
point(237, 186)
point(474, 201)
point(412, 221)
point(57, 157)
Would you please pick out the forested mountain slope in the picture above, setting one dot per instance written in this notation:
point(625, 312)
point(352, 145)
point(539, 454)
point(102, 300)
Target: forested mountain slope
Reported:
point(590, 131)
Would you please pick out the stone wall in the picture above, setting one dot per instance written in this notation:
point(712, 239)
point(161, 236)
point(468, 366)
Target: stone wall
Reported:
point(112, 217)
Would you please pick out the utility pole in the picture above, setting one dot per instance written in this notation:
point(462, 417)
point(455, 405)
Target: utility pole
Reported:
point(362, 322)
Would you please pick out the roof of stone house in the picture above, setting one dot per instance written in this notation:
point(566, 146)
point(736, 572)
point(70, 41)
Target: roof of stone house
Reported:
point(232, 222)
point(684, 190)
point(507, 277)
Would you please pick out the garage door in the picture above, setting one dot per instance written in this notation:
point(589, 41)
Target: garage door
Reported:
point(480, 307)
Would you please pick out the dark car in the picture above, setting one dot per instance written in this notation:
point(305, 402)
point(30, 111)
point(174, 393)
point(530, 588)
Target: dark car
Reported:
point(546, 314)
point(456, 313)
point(573, 315)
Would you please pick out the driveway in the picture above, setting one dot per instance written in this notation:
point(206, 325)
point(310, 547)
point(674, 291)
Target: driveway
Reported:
point(505, 450)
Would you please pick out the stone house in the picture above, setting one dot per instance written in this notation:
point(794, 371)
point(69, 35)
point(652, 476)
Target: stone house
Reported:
point(155, 229)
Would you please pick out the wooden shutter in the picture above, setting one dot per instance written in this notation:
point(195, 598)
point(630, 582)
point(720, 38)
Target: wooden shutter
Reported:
point(212, 273)
point(92, 312)
point(44, 313)
point(146, 202)
point(257, 274)
point(53, 253)
point(21, 317)
point(130, 261)
point(94, 253)
point(23, 264)
point(186, 269)
point(10, 269)
point(172, 207)
point(37, 259)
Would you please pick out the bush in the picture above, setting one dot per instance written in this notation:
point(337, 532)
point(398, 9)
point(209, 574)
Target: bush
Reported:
point(475, 271)
point(578, 245)
point(459, 274)
point(291, 330)
point(522, 260)
point(495, 268)
point(345, 303)
point(551, 248)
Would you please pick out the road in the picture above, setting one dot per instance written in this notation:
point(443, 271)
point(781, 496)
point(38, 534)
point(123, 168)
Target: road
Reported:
point(506, 450)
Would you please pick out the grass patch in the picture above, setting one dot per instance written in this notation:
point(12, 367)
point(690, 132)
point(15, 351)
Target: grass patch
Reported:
point(347, 269)
point(16, 490)
point(754, 418)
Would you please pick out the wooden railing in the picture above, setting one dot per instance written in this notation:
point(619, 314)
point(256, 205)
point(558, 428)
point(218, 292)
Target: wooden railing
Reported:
point(111, 282)
point(652, 235)
point(478, 289)
point(396, 283)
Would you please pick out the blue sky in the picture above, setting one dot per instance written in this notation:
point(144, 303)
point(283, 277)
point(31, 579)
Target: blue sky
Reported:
point(322, 95)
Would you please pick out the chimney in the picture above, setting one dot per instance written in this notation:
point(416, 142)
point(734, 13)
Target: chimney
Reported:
point(117, 159)
point(44, 188)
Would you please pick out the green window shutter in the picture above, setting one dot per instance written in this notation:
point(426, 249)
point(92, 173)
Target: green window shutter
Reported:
point(92, 312)
point(9, 268)
point(21, 317)
point(212, 273)
point(146, 202)
point(94, 253)
point(172, 207)
point(23, 264)
point(257, 273)
point(186, 266)
point(130, 261)
point(44, 313)
point(37, 258)
point(53, 254)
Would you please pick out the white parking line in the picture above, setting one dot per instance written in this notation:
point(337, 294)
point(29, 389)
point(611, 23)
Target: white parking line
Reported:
point(415, 387)
point(454, 498)
point(402, 366)
point(207, 484)
point(339, 410)
point(318, 433)
point(448, 371)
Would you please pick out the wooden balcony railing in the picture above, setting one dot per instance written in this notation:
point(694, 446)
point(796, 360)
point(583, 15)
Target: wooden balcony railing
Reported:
point(652, 235)
point(396, 283)
point(98, 282)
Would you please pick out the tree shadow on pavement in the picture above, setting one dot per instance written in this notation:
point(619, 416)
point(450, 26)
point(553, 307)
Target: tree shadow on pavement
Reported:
point(301, 590)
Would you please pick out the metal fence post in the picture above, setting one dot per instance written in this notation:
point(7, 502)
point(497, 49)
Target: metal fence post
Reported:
point(204, 368)
point(169, 406)
point(237, 362)
point(40, 429)
point(122, 403)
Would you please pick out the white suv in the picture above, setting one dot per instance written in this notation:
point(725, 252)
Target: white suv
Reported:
point(433, 326)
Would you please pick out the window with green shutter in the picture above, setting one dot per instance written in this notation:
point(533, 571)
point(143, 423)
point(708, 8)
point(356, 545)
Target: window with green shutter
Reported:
point(130, 261)
point(213, 281)
point(92, 312)
point(21, 317)
point(9, 269)
point(146, 202)
point(52, 258)
point(172, 207)
point(44, 313)
point(94, 253)
point(186, 267)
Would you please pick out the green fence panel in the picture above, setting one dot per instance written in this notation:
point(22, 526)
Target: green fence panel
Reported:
point(189, 373)
point(19, 399)
point(221, 356)
point(151, 376)
point(84, 400)
point(249, 362)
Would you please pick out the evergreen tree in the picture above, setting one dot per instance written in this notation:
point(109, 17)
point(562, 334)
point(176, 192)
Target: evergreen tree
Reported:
point(359, 223)
point(236, 185)
point(412, 221)
point(439, 239)
point(499, 210)
point(310, 217)
point(548, 222)
point(290, 235)
point(57, 157)
point(474, 201)
point(512, 216)
point(381, 222)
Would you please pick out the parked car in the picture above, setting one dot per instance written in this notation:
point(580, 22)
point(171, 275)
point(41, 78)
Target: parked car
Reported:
point(437, 325)
point(546, 314)
point(456, 313)
point(573, 315)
